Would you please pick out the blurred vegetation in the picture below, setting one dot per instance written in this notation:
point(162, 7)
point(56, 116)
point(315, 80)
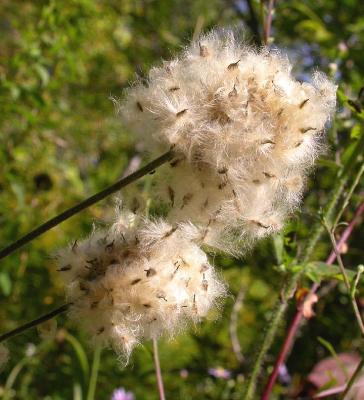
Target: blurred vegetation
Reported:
point(60, 141)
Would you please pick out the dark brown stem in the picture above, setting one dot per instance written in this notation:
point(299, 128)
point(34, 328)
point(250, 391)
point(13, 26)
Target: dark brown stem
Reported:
point(296, 320)
point(253, 22)
point(86, 203)
point(34, 323)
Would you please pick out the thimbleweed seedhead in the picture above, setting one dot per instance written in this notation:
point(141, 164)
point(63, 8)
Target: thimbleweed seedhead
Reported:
point(244, 130)
point(140, 279)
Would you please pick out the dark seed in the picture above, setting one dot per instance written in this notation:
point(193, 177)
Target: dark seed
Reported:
point(175, 162)
point(171, 195)
point(186, 199)
point(303, 103)
point(233, 65)
point(65, 268)
point(304, 130)
point(182, 112)
point(140, 107)
point(150, 272)
point(268, 175)
point(74, 246)
point(169, 233)
point(260, 224)
point(267, 142)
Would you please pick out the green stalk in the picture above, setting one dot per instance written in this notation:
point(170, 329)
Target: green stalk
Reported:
point(94, 373)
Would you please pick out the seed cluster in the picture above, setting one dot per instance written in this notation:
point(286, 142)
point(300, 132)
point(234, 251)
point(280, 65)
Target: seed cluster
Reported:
point(138, 280)
point(244, 130)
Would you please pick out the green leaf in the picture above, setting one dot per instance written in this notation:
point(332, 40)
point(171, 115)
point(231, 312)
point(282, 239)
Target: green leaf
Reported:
point(318, 271)
point(5, 283)
point(355, 132)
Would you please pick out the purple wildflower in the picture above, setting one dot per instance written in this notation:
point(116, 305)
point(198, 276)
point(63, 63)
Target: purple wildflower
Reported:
point(220, 373)
point(122, 394)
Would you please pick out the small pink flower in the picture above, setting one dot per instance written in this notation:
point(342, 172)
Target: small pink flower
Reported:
point(122, 394)
point(220, 373)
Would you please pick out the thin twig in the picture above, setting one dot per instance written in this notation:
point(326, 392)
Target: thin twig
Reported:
point(348, 196)
point(252, 20)
point(268, 22)
point(346, 280)
point(233, 326)
point(34, 323)
point(158, 370)
point(297, 318)
point(86, 203)
point(352, 379)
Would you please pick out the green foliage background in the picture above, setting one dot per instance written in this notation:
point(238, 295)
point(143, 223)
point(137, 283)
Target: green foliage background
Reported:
point(60, 141)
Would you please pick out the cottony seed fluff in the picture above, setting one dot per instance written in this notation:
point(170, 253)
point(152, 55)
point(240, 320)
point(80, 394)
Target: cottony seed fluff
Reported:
point(138, 280)
point(245, 133)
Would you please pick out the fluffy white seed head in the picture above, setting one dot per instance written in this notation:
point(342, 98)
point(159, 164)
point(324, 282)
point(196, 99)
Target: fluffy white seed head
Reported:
point(244, 130)
point(138, 280)
point(224, 103)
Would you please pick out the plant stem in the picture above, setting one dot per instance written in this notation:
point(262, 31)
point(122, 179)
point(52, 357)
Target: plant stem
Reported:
point(158, 370)
point(94, 372)
point(34, 323)
point(346, 281)
point(268, 22)
point(352, 379)
point(274, 323)
point(233, 326)
point(86, 203)
point(348, 196)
